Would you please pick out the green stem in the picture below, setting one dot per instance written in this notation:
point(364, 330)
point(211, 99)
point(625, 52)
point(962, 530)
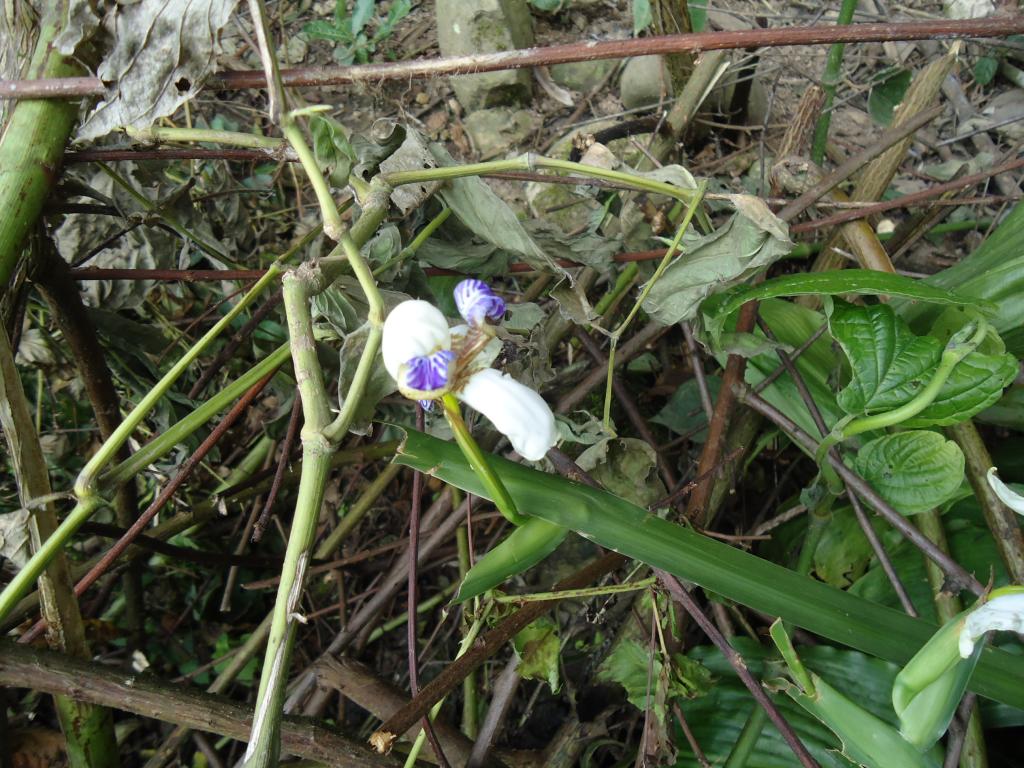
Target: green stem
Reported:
point(156, 134)
point(576, 594)
point(421, 237)
point(334, 227)
point(797, 670)
point(748, 738)
point(499, 494)
point(622, 284)
point(162, 444)
point(470, 702)
point(425, 606)
point(829, 81)
point(32, 145)
point(158, 209)
point(693, 204)
point(532, 162)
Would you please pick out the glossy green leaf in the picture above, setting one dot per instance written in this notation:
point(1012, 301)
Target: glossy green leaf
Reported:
point(737, 575)
point(985, 69)
point(866, 739)
point(914, 471)
point(994, 272)
point(522, 549)
point(890, 365)
point(866, 282)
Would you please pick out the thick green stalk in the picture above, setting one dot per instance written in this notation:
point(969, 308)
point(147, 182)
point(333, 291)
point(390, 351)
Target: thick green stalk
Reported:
point(88, 729)
point(829, 81)
point(31, 148)
point(264, 743)
point(744, 746)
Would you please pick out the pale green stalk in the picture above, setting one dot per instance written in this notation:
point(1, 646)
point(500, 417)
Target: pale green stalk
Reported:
point(157, 134)
point(470, 703)
point(334, 227)
point(586, 592)
point(692, 206)
point(156, 209)
point(829, 81)
point(744, 746)
point(421, 237)
point(530, 162)
point(477, 460)
point(622, 284)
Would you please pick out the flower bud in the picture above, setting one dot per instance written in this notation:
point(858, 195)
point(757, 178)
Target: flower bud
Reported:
point(517, 411)
point(476, 302)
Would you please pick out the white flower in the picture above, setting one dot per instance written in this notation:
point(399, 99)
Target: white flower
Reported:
point(419, 353)
point(1006, 495)
point(1004, 611)
point(517, 411)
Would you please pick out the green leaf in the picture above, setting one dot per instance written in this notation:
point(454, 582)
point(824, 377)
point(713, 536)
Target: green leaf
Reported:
point(698, 10)
point(866, 739)
point(985, 69)
point(549, 6)
point(859, 281)
point(538, 646)
point(331, 149)
point(324, 30)
point(522, 549)
point(890, 365)
point(914, 471)
point(616, 524)
point(887, 94)
point(636, 669)
point(642, 17)
point(361, 14)
point(684, 412)
point(627, 467)
point(746, 244)
point(843, 552)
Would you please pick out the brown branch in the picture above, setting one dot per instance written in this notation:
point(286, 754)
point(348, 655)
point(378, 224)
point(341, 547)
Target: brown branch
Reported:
point(145, 695)
point(711, 453)
point(994, 26)
point(484, 648)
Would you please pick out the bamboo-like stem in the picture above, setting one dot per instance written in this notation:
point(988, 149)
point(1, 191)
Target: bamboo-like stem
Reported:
point(158, 135)
point(31, 147)
point(829, 81)
point(88, 729)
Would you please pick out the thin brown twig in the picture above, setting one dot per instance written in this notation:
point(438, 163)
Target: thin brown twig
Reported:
point(290, 437)
point(994, 26)
point(686, 600)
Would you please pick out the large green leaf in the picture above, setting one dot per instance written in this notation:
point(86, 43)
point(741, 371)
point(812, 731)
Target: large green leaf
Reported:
point(859, 281)
point(620, 526)
point(914, 471)
point(890, 365)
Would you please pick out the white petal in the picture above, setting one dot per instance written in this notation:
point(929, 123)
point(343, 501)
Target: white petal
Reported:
point(1003, 612)
point(413, 329)
point(1008, 496)
point(517, 411)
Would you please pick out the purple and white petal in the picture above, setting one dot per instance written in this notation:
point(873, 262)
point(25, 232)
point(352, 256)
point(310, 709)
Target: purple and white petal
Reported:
point(476, 302)
point(429, 372)
point(414, 328)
